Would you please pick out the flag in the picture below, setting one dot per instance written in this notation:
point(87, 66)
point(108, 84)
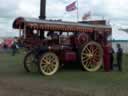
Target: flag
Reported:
point(71, 7)
point(86, 16)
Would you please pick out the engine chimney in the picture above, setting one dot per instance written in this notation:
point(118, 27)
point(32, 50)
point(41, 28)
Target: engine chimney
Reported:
point(42, 9)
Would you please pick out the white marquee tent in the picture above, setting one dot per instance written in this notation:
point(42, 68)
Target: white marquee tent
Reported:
point(120, 37)
point(1, 41)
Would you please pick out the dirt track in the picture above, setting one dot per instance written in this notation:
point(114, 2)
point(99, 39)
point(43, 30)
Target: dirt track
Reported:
point(20, 87)
point(17, 86)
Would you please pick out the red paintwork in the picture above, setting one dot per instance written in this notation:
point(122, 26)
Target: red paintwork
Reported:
point(66, 48)
point(70, 56)
point(106, 59)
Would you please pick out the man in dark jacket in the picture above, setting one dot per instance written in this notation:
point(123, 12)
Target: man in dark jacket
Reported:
point(119, 57)
point(13, 48)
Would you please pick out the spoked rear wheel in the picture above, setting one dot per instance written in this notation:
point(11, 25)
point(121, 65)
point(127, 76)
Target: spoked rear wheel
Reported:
point(91, 56)
point(49, 64)
point(30, 62)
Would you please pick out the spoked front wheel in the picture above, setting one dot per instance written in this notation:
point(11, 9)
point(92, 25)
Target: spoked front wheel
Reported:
point(49, 64)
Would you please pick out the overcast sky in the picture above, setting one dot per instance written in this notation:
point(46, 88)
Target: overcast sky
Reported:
point(114, 10)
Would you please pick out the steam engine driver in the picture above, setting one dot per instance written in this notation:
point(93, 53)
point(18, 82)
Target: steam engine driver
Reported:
point(53, 35)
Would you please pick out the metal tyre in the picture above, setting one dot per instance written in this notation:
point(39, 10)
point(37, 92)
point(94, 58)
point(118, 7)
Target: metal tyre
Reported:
point(49, 64)
point(91, 56)
point(30, 62)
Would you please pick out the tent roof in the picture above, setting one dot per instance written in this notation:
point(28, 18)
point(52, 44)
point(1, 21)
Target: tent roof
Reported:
point(119, 35)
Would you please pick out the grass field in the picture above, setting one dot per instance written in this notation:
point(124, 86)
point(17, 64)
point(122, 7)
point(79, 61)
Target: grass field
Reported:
point(14, 81)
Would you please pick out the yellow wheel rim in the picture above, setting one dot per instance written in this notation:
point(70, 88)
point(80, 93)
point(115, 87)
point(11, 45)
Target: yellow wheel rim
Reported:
point(49, 64)
point(91, 56)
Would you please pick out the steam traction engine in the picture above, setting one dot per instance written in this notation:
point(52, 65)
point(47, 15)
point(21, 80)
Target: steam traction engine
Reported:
point(52, 43)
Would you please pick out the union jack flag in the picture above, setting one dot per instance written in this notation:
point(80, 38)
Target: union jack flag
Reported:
point(71, 7)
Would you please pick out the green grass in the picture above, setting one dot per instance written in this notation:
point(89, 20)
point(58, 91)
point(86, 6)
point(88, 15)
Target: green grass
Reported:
point(12, 66)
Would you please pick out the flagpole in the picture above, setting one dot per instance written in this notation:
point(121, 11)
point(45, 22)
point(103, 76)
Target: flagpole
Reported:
point(77, 11)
